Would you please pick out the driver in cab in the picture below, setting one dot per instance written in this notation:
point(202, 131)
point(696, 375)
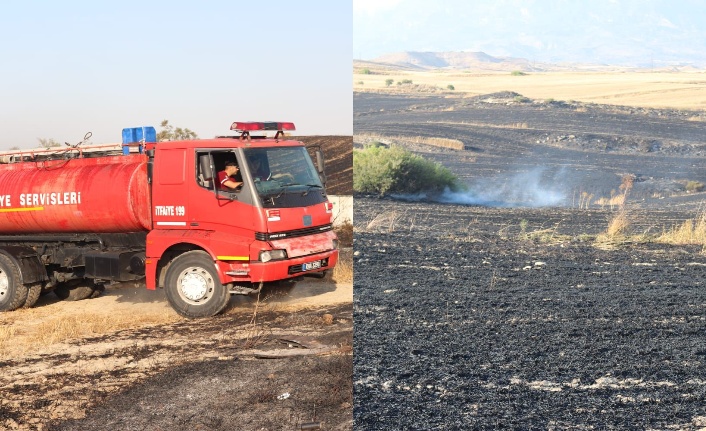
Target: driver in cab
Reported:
point(227, 178)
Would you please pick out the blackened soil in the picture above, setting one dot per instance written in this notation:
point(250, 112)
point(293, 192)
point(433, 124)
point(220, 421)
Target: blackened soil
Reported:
point(232, 394)
point(578, 148)
point(465, 320)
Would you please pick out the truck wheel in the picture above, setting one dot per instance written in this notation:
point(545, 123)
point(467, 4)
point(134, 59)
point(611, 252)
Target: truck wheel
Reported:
point(75, 292)
point(33, 293)
point(192, 286)
point(12, 293)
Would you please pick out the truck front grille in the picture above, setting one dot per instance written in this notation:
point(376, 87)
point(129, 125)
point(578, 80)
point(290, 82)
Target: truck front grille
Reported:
point(266, 236)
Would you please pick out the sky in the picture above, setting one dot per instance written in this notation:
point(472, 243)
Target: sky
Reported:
point(73, 67)
point(616, 32)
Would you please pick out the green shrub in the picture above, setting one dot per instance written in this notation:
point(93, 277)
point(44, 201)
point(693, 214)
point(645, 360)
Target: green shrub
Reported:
point(404, 81)
point(450, 87)
point(383, 171)
point(518, 73)
point(521, 99)
point(366, 71)
point(694, 186)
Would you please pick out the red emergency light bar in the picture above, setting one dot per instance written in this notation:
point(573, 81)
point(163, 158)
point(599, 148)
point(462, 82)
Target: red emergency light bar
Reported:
point(251, 126)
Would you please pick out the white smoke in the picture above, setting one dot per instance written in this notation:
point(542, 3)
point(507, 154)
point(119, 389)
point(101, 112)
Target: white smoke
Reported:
point(533, 188)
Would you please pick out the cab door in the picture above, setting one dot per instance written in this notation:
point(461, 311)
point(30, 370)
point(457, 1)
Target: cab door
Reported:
point(170, 191)
point(230, 213)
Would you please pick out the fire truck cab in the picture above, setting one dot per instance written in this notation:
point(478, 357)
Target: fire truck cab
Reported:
point(275, 225)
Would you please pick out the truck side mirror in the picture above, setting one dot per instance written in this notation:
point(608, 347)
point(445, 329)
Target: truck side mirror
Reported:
point(206, 174)
point(321, 165)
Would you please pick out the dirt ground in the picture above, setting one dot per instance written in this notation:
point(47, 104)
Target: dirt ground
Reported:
point(232, 371)
point(496, 310)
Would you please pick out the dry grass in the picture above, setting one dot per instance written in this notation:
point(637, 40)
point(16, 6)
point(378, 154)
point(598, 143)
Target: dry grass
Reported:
point(681, 90)
point(612, 202)
point(343, 271)
point(344, 232)
point(618, 225)
point(382, 222)
point(454, 144)
point(692, 231)
point(27, 330)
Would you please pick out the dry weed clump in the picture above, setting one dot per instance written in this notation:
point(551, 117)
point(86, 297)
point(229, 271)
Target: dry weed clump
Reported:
point(692, 231)
point(343, 271)
point(383, 222)
point(612, 202)
point(619, 224)
point(453, 144)
point(344, 232)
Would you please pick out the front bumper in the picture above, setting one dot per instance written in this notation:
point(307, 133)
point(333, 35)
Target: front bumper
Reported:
point(277, 269)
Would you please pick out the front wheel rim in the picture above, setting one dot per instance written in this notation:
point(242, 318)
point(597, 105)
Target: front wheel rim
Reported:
point(195, 285)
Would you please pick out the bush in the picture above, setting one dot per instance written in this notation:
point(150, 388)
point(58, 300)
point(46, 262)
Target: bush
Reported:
point(389, 82)
point(518, 73)
point(450, 87)
point(366, 71)
point(395, 170)
point(521, 99)
point(694, 186)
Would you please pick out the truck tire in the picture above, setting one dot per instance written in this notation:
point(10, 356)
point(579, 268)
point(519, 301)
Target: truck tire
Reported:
point(75, 290)
point(192, 286)
point(13, 294)
point(33, 293)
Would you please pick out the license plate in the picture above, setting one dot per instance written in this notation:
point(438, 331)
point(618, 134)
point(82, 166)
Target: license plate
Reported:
point(311, 265)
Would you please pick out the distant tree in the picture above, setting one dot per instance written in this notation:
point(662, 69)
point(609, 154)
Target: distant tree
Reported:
point(518, 73)
point(171, 133)
point(48, 143)
point(450, 87)
point(366, 71)
point(389, 82)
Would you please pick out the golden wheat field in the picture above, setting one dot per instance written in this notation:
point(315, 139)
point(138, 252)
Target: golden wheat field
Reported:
point(682, 90)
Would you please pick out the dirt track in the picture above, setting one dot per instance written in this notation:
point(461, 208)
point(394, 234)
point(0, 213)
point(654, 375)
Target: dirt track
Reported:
point(481, 317)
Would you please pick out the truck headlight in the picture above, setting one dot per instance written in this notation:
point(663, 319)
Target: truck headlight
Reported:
point(268, 255)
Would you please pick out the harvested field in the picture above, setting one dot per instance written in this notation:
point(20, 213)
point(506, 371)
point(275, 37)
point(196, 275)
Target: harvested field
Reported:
point(518, 313)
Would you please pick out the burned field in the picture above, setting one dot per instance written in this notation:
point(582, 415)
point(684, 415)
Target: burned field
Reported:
point(481, 317)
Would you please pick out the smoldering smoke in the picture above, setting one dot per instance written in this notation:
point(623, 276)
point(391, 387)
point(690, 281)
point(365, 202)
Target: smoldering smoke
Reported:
point(534, 188)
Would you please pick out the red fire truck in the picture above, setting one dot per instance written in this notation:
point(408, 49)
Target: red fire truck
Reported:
point(75, 218)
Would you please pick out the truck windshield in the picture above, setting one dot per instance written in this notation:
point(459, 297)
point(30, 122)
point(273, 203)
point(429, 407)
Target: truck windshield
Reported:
point(284, 176)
